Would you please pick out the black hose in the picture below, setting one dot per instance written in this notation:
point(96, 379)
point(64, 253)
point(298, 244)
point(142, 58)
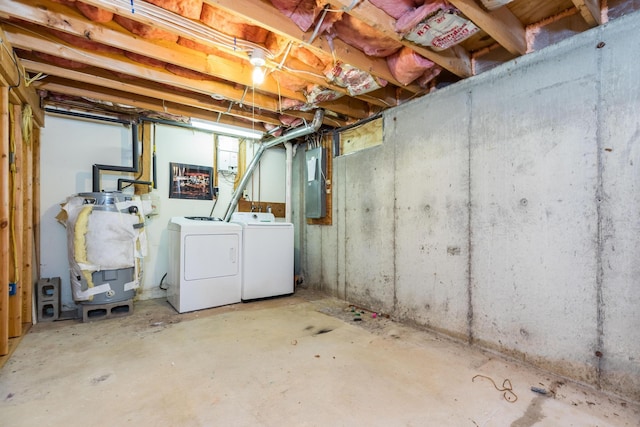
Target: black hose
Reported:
point(162, 280)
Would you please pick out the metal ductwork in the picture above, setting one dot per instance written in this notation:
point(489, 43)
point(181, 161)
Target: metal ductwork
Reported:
point(296, 133)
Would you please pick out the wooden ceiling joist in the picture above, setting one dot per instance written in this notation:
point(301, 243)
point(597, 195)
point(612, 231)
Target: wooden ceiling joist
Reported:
point(126, 99)
point(107, 80)
point(120, 64)
point(269, 85)
point(500, 24)
point(11, 76)
point(53, 16)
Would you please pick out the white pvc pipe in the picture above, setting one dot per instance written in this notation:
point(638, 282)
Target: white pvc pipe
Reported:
point(288, 182)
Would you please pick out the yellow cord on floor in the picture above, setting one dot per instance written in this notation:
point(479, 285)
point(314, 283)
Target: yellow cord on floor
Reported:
point(507, 388)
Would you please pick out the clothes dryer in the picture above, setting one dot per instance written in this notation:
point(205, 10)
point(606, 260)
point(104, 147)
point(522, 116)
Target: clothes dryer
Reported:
point(205, 263)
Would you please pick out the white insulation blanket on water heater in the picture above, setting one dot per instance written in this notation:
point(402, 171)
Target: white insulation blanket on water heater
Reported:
point(102, 240)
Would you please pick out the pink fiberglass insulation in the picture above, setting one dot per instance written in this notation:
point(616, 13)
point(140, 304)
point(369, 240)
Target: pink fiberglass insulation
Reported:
point(61, 62)
point(278, 45)
point(187, 73)
point(427, 76)
point(364, 37)
point(411, 19)
point(187, 8)
point(289, 82)
point(302, 12)
point(406, 65)
point(204, 48)
point(94, 13)
point(290, 120)
point(397, 8)
point(145, 60)
point(144, 30)
point(291, 104)
point(231, 25)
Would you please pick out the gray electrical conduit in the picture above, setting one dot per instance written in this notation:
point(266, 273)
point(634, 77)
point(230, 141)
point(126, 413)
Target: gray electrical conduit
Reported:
point(296, 133)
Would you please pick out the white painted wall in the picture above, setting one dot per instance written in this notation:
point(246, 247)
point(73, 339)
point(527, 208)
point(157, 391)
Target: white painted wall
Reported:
point(71, 146)
point(69, 149)
point(503, 210)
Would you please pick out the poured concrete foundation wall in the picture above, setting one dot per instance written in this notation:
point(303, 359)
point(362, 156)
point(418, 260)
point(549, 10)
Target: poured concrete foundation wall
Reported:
point(505, 211)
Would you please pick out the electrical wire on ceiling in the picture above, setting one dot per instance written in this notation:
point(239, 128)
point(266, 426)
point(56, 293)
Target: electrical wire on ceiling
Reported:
point(175, 23)
point(201, 31)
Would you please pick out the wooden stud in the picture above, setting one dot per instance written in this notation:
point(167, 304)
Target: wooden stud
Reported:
point(36, 196)
point(144, 135)
point(27, 233)
point(4, 220)
point(16, 225)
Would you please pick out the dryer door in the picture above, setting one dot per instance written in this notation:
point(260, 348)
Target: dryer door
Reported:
point(211, 255)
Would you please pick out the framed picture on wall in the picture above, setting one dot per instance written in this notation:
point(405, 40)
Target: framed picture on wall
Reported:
point(190, 182)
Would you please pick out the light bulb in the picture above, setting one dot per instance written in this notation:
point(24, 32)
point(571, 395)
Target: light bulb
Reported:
point(257, 75)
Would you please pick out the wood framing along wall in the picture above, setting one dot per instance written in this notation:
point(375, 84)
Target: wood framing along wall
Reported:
point(20, 117)
point(4, 220)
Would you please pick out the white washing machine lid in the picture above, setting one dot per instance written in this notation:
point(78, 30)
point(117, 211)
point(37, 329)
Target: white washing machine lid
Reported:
point(201, 225)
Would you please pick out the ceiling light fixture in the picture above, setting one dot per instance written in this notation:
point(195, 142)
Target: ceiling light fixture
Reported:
point(223, 129)
point(258, 62)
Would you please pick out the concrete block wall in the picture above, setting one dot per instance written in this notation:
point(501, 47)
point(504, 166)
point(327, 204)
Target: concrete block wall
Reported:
point(504, 210)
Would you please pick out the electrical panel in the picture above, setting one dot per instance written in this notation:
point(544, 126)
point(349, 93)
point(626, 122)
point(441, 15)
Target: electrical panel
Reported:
point(227, 161)
point(315, 191)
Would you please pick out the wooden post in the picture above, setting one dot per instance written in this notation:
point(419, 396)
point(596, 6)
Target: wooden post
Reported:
point(16, 226)
point(36, 196)
point(144, 135)
point(4, 220)
point(27, 230)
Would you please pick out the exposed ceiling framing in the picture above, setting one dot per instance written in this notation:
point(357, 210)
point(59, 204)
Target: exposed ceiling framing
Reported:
point(188, 67)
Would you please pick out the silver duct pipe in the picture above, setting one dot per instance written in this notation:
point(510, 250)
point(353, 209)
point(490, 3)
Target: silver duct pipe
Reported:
point(296, 133)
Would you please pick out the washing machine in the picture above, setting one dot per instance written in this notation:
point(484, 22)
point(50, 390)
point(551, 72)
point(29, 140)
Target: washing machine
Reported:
point(205, 263)
point(267, 260)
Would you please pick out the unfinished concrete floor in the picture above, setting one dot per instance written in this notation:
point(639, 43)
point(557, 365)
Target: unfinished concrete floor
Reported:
point(292, 361)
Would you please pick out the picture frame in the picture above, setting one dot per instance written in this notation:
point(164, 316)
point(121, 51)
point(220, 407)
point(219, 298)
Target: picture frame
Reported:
point(190, 181)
